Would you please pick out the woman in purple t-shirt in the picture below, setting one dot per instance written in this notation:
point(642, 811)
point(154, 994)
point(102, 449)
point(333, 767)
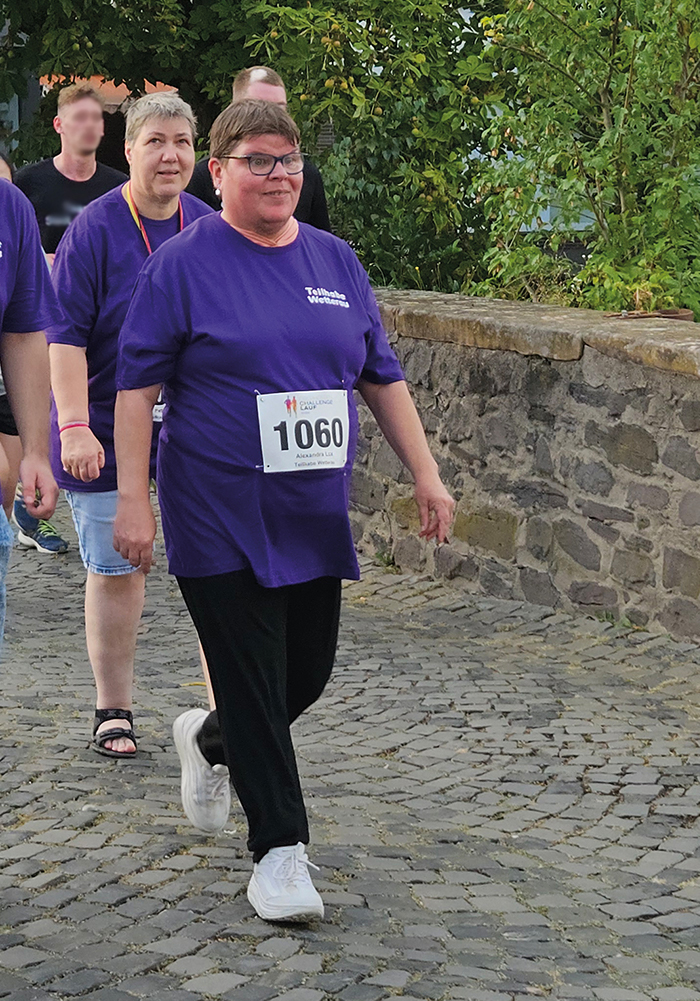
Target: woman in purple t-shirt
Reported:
point(96, 266)
point(27, 306)
point(259, 328)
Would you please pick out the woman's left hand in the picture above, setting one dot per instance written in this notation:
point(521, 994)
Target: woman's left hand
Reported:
point(134, 532)
point(436, 508)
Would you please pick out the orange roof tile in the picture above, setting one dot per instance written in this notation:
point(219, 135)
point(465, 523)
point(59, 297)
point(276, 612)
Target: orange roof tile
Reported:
point(114, 95)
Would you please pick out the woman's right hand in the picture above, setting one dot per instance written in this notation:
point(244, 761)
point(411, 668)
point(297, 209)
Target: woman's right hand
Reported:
point(81, 454)
point(135, 531)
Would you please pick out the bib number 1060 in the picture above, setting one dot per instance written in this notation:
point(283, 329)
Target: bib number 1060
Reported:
point(304, 431)
point(321, 434)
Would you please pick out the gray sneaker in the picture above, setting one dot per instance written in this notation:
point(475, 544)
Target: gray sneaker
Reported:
point(205, 788)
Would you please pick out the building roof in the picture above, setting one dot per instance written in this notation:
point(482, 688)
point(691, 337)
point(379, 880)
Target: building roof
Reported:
point(114, 94)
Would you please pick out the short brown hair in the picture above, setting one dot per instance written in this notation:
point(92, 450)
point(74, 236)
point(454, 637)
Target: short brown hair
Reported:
point(247, 119)
point(76, 92)
point(254, 74)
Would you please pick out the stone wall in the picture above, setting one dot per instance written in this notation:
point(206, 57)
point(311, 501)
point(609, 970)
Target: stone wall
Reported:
point(570, 442)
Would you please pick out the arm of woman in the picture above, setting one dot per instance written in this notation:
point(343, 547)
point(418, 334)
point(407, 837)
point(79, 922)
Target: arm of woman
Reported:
point(75, 280)
point(82, 454)
point(135, 524)
point(400, 424)
point(26, 372)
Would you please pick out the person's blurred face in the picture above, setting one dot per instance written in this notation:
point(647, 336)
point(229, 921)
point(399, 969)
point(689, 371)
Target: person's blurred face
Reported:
point(258, 91)
point(80, 125)
point(161, 158)
point(261, 204)
point(5, 172)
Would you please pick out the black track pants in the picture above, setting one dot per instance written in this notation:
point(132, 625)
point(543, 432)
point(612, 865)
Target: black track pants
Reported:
point(270, 652)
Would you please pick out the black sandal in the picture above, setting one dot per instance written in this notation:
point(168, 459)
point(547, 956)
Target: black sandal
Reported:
point(100, 739)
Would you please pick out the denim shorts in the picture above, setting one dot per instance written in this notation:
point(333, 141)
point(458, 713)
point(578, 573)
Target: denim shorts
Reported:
point(93, 516)
point(7, 540)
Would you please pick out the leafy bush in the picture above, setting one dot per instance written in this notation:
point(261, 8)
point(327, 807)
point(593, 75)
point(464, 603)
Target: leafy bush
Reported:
point(393, 79)
point(597, 112)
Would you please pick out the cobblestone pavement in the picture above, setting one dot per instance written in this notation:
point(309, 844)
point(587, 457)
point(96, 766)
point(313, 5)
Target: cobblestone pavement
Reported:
point(505, 804)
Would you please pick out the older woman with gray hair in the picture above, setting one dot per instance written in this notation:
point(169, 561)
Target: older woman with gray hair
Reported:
point(95, 270)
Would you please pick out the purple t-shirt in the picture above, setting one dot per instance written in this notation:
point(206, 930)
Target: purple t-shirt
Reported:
point(27, 299)
point(218, 320)
point(160, 230)
point(94, 272)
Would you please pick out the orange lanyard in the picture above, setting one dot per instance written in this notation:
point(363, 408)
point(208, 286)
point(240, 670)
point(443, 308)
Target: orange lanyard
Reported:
point(137, 218)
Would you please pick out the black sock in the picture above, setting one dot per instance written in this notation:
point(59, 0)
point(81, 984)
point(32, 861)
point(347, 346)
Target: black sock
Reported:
point(209, 740)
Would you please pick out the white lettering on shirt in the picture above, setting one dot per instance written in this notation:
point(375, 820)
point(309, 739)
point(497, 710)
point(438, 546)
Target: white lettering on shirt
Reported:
point(325, 297)
point(70, 211)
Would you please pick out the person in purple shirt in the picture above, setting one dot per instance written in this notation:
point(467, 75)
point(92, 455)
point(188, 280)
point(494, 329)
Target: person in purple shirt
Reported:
point(235, 317)
point(27, 306)
point(96, 266)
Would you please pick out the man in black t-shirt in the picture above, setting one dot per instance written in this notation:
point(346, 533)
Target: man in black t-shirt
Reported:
point(260, 83)
point(59, 188)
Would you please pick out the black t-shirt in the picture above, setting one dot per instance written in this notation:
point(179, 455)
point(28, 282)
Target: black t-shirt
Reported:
point(311, 208)
point(57, 200)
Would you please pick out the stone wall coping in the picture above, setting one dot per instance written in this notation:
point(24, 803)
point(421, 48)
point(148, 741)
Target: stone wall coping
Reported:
point(531, 329)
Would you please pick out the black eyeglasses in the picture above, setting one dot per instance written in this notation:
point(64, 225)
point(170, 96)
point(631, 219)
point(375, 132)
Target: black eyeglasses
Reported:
point(262, 164)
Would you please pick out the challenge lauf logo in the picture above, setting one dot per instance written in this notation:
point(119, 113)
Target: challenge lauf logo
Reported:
point(294, 407)
point(324, 297)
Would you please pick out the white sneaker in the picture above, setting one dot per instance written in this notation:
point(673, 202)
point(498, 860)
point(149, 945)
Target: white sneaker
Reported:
point(205, 788)
point(280, 888)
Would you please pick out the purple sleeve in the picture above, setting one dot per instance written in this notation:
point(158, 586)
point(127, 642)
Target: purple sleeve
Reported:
point(381, 364)
point(75, 281)
point(32, 305)
point(150, 337)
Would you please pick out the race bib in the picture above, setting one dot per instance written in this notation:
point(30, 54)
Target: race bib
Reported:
point(159, 408)
point(302, 431)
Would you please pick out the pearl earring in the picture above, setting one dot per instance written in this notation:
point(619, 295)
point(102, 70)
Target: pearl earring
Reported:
point(217, 192)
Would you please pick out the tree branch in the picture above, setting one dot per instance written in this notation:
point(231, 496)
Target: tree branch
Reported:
point(613, 47)
point(543, 59)
point(592, 201)
point(565, 23)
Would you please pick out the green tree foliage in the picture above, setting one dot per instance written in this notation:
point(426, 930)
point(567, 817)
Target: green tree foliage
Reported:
point(402, 84)
point(454, 137)
point(177, 42)
point(599, 116)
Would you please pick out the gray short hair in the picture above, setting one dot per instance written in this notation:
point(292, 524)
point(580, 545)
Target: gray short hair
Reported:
point(159, 105)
